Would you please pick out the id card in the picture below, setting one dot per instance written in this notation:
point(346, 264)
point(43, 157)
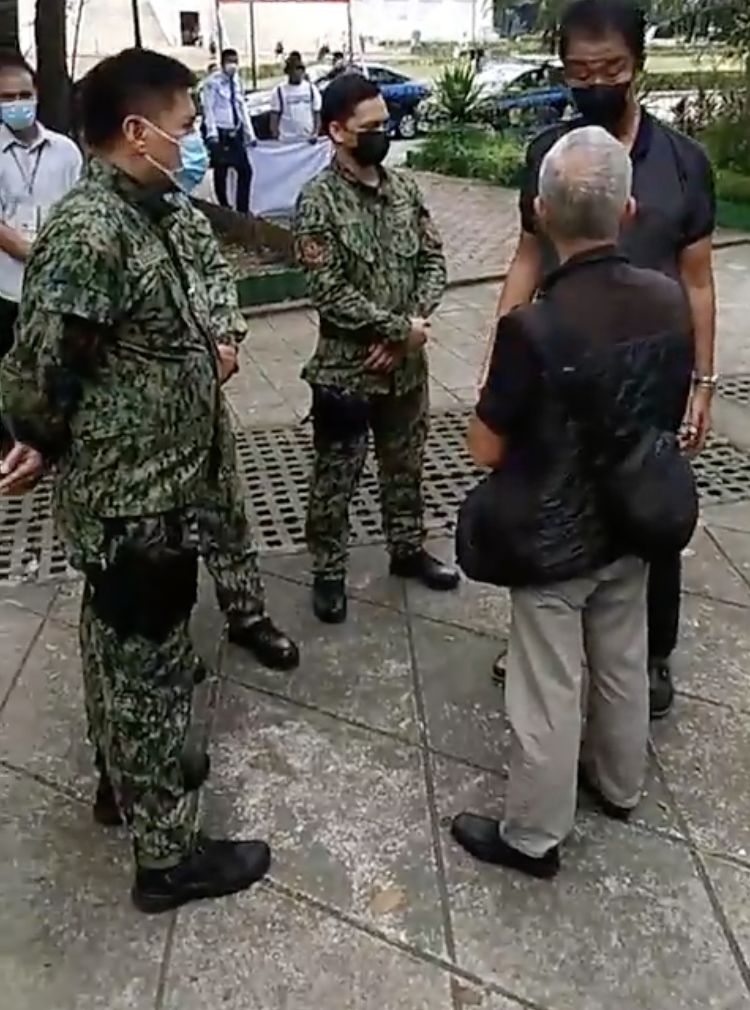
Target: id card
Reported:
point(25, 219)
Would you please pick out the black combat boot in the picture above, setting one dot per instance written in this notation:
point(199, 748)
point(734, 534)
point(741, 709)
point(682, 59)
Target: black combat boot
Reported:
point(270, 646)
point(329, 599)
point(214, 869)
point(106, 811)
point(422, 567)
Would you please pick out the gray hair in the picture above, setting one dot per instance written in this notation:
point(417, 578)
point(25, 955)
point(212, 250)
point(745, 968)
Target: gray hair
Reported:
point(585, 183)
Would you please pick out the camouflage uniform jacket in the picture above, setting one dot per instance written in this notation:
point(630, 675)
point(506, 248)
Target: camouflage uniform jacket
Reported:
point(373, 260)
point(114, 373)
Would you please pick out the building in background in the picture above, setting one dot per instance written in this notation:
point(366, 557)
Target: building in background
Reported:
point(186, 28)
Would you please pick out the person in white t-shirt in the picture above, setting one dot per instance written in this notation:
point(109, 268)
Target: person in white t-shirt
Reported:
point(295, 106)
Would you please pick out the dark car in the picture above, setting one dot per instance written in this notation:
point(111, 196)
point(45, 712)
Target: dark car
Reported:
point(402, 94)
point(524, 94)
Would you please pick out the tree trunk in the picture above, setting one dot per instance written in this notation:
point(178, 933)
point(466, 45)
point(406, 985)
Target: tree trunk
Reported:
point(55, 89)
point(9, 25)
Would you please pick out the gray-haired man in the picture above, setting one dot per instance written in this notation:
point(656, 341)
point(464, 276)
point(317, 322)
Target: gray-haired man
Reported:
point(632, 337)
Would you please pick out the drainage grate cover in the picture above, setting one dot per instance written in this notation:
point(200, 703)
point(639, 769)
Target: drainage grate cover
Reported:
point(275, 463)
point(736, 389)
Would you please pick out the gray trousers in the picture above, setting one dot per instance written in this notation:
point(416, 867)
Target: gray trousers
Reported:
point(599, 620)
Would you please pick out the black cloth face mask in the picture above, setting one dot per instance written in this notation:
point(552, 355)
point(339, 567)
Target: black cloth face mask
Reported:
point(603, 104)
point(372, 148)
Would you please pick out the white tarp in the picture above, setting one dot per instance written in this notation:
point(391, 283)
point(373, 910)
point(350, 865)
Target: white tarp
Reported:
point(280, 170)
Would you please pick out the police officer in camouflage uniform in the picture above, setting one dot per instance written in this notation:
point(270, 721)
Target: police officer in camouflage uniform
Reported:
point(375, 271)
point(129, 324)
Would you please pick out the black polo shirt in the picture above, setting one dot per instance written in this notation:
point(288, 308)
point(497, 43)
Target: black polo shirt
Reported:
point(617, 297)
point(673, 185)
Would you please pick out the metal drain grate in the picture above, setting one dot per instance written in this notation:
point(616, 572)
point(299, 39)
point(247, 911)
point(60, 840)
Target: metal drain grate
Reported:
point(29, 548)
point(276, 465)
point(275, 462)
point(736, 389)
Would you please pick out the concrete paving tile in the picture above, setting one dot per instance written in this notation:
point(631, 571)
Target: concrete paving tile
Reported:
point(360, 669)
point(627, 925)
point(70, 938)
point(464, 707)
point(732, 886)
point(367, 575)
point(34, 596)
point(67, 605)
point(712, 657)
point(707, 571)
point(705, 753)
point(736, 546)
point(18, 627)
point(344, 809)
point(473, 606)
point(43, 725)
point(735, 516)
point(264, 951)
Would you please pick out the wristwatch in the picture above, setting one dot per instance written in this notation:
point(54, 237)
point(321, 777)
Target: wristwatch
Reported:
point(705, 381)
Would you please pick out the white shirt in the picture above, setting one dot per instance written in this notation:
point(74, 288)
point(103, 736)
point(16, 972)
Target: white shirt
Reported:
point(224, 106)
point(32, 179)
point(296, 106)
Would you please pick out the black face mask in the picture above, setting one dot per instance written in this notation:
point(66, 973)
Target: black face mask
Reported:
point(603, 104)
point(372, 148)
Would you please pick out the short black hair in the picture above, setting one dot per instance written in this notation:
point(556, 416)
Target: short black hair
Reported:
point(343, 95)
point(229, 54)
point(294, 61)
point(134, 82)
point(597, 18)
point(12, 59)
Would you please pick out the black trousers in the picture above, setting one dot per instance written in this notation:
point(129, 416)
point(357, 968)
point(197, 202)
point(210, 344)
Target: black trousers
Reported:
point(230, 154)
point(664, 589)
point(8, 317)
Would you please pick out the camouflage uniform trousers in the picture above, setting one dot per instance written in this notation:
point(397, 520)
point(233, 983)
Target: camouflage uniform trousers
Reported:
point(139, 692)
point(341, 426)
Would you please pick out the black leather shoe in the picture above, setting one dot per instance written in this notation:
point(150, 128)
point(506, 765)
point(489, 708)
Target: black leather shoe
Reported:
point(661, 688)
point(270, 646)
point(600, 801)
point(106, 811)
point(329, 600)
point(480, 836)
point(213, 870)
point(422, 567)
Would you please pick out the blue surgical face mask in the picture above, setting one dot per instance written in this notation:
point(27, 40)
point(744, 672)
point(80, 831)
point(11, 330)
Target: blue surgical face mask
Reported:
point(18, 115)
point(194, 159)
point(194, 162)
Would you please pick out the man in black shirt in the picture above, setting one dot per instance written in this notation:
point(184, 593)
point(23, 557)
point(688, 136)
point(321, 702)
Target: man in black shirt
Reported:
point(566, 385)
point(602, 45)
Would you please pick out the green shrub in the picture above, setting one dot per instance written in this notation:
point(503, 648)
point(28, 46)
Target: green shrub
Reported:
point(689, 80)
point(731, 187)
point(471, 153)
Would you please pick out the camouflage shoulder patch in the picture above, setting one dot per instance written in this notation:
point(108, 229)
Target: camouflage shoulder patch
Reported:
point(312, 251)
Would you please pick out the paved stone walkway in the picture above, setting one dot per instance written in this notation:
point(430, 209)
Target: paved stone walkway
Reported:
point(351, 767)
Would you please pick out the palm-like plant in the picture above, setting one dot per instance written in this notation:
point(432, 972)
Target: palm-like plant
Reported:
point(457, 97)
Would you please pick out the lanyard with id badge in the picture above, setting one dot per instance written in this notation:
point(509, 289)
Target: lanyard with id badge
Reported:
point(27, 216)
